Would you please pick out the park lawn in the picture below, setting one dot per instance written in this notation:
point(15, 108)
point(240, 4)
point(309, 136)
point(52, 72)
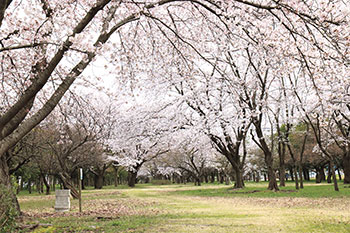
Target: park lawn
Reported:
point(187, 208)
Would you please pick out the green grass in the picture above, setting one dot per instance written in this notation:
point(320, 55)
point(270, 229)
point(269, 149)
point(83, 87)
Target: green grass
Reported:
point(310, 190)
point(189, 208)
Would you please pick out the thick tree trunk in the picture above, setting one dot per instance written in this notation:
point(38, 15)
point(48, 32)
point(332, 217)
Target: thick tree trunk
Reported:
point(270, 172)
point(272, 180)
point(239, 183)
point(346, 168)
point(5, 183)
point(221, 178)
point(98, 181)
point(320, 176)
point(306, 174)
point(212, 177)
point(132, 178)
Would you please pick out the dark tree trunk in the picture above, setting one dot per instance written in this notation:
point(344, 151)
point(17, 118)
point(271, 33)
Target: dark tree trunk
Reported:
point(239, 183)
point(5, 182)
point(116, 175)
point(221, 178)
point(98, 181)
point(346, 168)
point(320, 176)
point(282, 167)
point(46, 183)
point(270, 172)
point(83, 182)
point(282, 174)
point(212, 178)
point(331, 167)
point(30, 186)
point(132, 178)
point(197, 181)
point(296, 177)
point(306, 174)
point(329, 177)
point(301, 176)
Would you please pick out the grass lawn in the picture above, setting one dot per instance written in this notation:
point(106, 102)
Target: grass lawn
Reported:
point(187, 208)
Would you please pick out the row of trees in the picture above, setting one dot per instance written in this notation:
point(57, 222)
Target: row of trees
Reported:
point(232, 74)
point(137, 143)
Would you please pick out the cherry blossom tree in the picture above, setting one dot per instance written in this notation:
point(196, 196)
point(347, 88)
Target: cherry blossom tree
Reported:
point(191, 154)
point(143, 132)
point(47, 46)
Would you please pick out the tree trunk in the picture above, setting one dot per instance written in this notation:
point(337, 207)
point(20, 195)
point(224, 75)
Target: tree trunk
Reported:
point(306, 174)
point(331, 168)
point(30, 186)
point(221, 178)
point(132, 178)
point(239, 183)
point(329, 177)
point(282, 168)
point(212, 177)
point(98, 181)
point(320, 176)
point(197, 181)
point(282, 174)
point(346, 168)
point(270, 172)
point(47, 185)
point(301, 176)
point(115, 175)
point(5, 183)
point(296, 177)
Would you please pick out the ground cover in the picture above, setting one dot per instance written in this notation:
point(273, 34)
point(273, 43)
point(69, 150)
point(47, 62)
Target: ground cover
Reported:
point(187, 208)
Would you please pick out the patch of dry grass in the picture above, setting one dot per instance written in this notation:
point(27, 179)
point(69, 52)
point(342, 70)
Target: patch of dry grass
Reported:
point(153, 209)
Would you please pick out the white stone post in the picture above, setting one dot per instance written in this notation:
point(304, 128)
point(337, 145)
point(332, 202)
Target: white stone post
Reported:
point(62, 203)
